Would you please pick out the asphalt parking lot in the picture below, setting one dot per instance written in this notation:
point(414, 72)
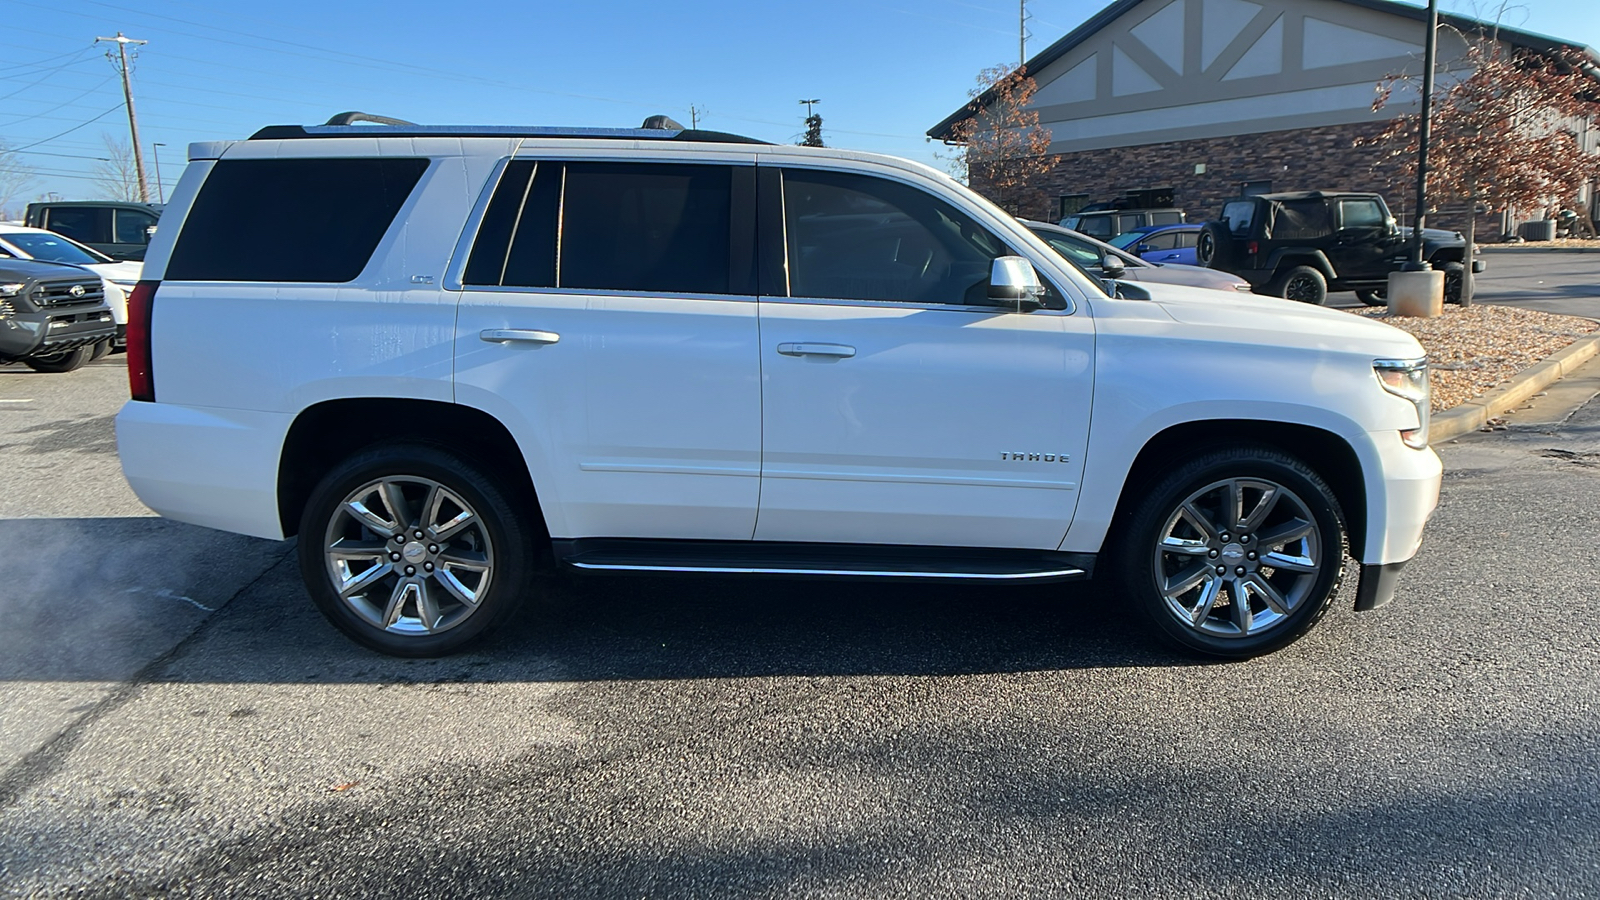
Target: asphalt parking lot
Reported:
point(176, 719)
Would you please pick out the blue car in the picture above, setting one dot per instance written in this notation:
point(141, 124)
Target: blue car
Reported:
point(1160, 243)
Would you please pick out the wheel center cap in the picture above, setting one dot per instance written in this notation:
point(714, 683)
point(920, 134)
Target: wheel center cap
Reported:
point(1232, 553)
point(415, 552)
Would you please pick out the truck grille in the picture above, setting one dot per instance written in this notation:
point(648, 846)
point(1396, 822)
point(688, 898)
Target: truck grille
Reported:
point(68, 293)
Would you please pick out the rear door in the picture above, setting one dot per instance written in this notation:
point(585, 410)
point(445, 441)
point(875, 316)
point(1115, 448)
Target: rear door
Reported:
point(900, 406)
point(1360, 246)
point(608, 317)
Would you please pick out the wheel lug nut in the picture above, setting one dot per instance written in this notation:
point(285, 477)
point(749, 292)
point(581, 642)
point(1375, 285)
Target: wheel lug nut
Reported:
point(411, 570)
point(395, 557)
point(1213, 554)
point(1222, 570)
point(399, 539)
point(418, 535)
point(1251, 554)
point(428, 566)
point(1226, 537)
point(433, 548)
point(1244, 538)
point(1239, 571)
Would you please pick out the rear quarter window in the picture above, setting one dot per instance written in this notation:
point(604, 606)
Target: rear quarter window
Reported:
point(291, 220)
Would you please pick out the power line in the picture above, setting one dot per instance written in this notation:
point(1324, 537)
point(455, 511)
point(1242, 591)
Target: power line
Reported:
point(69, 130)
point(61, 105)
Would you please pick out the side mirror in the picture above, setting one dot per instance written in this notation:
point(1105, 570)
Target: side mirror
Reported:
point(1143, 248)
point(1111, 266)
point(1012, 280)
point(149, 232)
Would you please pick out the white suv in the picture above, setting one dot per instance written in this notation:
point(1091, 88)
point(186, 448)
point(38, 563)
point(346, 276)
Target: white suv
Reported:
point(437, 354)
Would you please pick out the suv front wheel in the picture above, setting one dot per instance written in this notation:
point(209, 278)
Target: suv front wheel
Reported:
point(413, 550)
point(1236, 553)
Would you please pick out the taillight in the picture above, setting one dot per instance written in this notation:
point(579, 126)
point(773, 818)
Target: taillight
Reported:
point(141, 303)
point(1252, 248)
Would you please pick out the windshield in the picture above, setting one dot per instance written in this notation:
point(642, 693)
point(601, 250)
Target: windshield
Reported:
point(1127, 239)
point(52, 248)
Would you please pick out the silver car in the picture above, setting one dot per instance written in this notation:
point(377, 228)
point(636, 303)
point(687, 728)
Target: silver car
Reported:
point(1091, 256)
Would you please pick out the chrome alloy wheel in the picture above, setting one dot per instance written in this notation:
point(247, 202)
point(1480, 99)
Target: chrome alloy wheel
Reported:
point(1237, 558)
point(408, 555)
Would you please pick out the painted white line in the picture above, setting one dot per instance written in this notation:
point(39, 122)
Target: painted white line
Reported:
point(167, 594)
point(29, 400)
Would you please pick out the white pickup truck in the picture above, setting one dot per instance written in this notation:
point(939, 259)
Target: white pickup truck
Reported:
point(666, 350)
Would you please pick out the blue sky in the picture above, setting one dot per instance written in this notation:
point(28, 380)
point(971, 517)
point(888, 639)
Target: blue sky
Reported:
point(885, 70)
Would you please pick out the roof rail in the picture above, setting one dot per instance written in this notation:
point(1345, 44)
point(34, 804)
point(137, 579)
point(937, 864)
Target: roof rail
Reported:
point(659, 128)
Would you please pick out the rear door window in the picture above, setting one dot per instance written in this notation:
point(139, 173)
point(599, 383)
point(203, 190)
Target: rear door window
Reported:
point(1166, 218)
point(661, 228)
point(85, 225)
point(1095, 226)
point(291, 220)
point(1360, 214)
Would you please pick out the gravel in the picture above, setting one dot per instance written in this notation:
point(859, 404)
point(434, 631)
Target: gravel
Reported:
point(1473, 350)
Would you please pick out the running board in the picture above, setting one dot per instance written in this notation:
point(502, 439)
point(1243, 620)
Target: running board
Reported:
point(820, 560)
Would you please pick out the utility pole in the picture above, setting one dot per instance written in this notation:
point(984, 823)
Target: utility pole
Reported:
point(695, 113)
point(133, 118)
point(808, 104)
point(813, 137)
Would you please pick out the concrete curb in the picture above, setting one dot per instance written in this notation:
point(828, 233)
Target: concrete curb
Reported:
point(1534, 248)
point(1474, 414)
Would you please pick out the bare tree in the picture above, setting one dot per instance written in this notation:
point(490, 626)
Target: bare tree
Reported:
point(1506, 132)
point(15, 177)
point(117, 176)
point(1002, 150)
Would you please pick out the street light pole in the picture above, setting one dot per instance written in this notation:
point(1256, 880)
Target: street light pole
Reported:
point(1430, 47)
point(155, 156)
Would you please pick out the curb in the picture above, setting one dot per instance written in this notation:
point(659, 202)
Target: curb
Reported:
point(1534, 248)
point(1474, 414)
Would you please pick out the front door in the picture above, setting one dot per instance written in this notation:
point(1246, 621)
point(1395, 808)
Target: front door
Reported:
point(1363, 244)
point(608, 317)
point(898, 405)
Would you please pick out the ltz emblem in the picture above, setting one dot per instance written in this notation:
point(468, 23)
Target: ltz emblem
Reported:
point(1009, 456)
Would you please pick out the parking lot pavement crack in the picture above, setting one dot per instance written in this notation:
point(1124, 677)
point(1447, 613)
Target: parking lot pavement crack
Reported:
point(51, 756)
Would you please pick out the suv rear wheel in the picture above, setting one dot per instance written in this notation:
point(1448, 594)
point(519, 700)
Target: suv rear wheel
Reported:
point(1454, 275)
point(413, 550)
point(1301, 283)
point(1236, 553)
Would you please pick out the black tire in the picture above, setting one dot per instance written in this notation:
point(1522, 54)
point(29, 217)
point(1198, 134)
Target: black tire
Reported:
point(63, 361)
point(1149, 570)
point(498, 540)
point(1374, 297)
point(1454, 276)
point(1213, 247)
point(101, 350)
point(1303, 284)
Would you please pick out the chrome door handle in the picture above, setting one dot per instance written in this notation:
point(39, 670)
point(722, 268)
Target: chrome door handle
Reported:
point(524, 335)
point(840, 351)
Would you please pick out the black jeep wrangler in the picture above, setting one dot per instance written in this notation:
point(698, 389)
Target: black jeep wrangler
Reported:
point(53, 317)
point(1303, 245)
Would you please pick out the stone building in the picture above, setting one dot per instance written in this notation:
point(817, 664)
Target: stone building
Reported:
point(1202, 100)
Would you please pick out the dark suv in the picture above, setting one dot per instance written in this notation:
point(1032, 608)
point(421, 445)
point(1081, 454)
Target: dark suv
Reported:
point(1105, 224)
point(1303, 245)
point(53, 317)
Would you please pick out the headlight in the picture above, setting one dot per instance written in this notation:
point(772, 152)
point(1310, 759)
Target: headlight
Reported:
point(12, 289)
point(1408, 378)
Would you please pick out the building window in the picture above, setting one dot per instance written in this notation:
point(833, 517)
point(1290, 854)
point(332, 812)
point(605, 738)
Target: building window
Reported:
point(1069, 204)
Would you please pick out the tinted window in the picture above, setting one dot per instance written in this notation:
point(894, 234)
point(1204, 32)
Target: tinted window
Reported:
point(1128, 223)
point(1187, 239)
point(91, 226)
point(1166, 218)
point(1360, 214)
point(133, 226)
point(291, 220)
point(662, 228)
point(1167, 241)
point(516, 242)
point(1081, 252)
point(1094, 226)
point(856, 237)
point(1297, 220)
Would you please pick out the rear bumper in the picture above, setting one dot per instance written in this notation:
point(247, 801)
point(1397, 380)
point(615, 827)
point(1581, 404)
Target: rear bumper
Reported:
point(205, 466)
